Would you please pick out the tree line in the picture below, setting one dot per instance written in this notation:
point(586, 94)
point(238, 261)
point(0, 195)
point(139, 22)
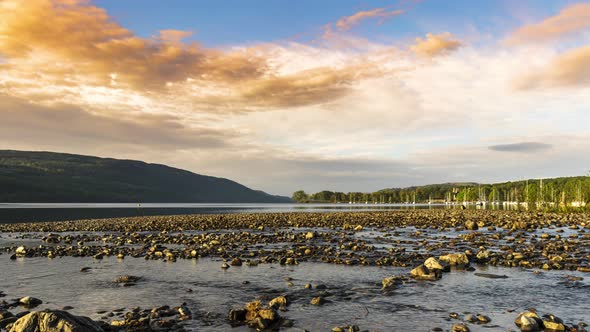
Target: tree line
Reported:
point(559, 191)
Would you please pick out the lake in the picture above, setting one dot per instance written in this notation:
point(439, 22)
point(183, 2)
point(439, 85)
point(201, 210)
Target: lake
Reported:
point(27, 212)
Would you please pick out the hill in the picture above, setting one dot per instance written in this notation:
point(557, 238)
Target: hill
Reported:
point(48, 177)
point(561, 190)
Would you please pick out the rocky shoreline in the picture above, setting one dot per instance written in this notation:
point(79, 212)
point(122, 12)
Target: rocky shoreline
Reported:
point(429, 242)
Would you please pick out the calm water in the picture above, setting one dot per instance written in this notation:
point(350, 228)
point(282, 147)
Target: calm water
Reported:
point(13, 212)
point(356, 292)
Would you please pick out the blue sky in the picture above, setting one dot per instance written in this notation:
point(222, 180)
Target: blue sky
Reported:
point(286, 95)
point(218, 23)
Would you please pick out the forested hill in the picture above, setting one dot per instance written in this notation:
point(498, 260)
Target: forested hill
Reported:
point(563, 190)
point(47, 177)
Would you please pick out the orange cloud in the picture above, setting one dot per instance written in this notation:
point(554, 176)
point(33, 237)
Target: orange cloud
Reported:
point(571, 19)
point(568, 69)
point(435, 45)
point(347, 22)
point(87, 40)
point(65, 44)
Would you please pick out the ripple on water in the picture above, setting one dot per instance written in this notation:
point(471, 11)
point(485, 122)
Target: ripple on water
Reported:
point(354, 291)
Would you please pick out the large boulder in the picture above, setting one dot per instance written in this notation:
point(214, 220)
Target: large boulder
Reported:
point(54, 321)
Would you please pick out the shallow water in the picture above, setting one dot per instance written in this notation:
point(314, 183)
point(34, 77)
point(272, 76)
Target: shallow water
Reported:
point(356, 292)
point(28, 212)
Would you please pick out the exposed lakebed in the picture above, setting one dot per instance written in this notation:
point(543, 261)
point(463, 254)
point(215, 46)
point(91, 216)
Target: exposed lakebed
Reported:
point(179, 260)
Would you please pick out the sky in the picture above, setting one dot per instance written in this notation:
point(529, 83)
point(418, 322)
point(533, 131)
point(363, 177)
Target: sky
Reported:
point(285, 95)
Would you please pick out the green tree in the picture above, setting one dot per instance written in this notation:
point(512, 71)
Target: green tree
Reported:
point(300, 196)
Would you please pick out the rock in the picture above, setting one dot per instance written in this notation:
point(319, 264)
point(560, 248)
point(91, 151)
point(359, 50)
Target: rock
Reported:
point(553, 323)
point(236, 262)
point(5, 314)
point(278, 302)
point(483, 319)
point(318, 300)
point(482, 255)
point(455, 259)
point(52, 238)
point(460, 327)
point(268, 314)
point(126, 279)
point(184, 312)
point(423, 273)
point(29, 301)
point(225, 266)
point(471, 225)
point(238, 315)
point(390, 282)
point(7, 321)
point(21, 251)
point(358, 228)
point(55, 321)
point(529, 321)
point(350, 328)
point(433, 264)
point(309, 235)
point(85, 269)
point(490, 275)
point(256, 316)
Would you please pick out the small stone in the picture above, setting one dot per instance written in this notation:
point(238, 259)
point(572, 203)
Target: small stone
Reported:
point(21, 251)
point(471, 225)
point(278, 302)
point(29, 301)
point(318, 300)
point(460, 327)
point(236, 262)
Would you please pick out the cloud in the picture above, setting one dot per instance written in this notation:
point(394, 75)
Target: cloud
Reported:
point(348, 114)
point(83, 39)
point(347, 22)
point(72, 127)
point(570, 20)
point(72, 44)
point(569, 69)
point(525, 147)
point(434, 45)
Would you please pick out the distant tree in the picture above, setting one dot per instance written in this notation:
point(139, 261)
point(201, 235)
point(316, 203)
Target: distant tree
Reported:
point(300, 196)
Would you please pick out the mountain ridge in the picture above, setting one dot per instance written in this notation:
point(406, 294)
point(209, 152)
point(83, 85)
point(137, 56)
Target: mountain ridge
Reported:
point(55, 177)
